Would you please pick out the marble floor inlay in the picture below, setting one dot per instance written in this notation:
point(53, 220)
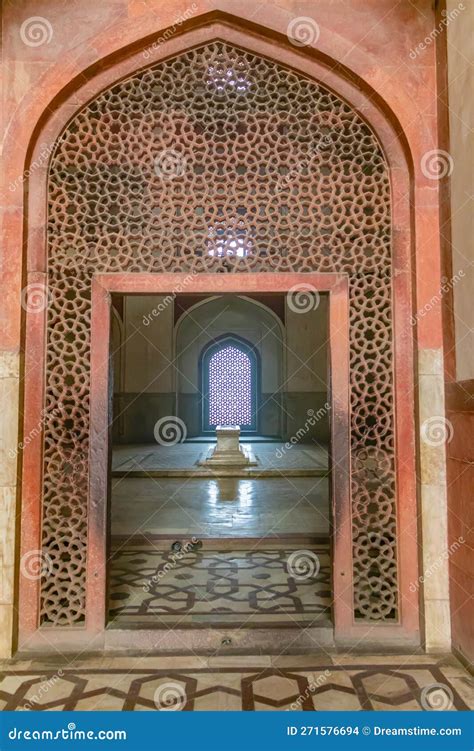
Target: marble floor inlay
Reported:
point(259, 682)
point(274, 586)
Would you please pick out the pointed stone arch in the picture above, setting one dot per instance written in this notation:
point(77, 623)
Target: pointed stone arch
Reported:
point(217, 357)
point(377, 586)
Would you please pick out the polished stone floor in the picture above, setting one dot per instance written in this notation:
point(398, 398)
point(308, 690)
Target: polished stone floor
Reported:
point(252, 586)
point(220, 507)
point(275, 459)
point(259, 682)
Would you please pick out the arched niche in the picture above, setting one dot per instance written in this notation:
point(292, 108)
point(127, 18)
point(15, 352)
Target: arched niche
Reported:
point(230, 389)
point(212, 319)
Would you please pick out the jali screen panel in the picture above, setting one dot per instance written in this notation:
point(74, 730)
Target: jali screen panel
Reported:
point(221, 161)
point(229, 387)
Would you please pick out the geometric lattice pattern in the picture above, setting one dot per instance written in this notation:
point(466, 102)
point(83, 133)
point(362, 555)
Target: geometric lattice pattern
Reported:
point(397, 683)
point(219, 161)
point(230, 388)
point(210, 587)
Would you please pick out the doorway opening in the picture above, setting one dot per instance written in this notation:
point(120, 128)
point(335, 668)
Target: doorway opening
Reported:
point(195, 546)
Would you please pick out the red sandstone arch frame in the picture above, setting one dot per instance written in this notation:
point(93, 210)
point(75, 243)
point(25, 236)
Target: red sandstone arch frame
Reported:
point(81, 90)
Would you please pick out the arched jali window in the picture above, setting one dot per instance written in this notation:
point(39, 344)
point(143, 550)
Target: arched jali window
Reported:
point(229, 381)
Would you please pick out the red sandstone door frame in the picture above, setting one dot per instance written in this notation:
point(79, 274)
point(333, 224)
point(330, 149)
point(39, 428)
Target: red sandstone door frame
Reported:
point(103, 285)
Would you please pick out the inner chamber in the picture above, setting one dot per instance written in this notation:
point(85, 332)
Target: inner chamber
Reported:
point(195, 545)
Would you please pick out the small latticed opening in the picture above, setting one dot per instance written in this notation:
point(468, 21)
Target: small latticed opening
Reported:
point(228, 72)
point(229, 241)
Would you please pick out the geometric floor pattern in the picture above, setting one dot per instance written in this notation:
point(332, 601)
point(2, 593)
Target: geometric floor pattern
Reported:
point(269, 587)
point(415, 682)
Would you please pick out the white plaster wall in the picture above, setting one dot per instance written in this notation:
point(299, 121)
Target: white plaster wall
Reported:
point(306, 349)
point(221, 316)
point(148, 344)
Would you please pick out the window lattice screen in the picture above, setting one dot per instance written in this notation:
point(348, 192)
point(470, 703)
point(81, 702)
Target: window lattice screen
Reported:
point(230, 383)
point(219, 160)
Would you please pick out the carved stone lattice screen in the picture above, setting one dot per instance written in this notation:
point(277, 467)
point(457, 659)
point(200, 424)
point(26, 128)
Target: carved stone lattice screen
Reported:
point(228, 386)
point(221, 161)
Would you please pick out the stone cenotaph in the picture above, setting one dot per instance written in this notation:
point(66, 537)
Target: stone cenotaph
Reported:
point(228, 453)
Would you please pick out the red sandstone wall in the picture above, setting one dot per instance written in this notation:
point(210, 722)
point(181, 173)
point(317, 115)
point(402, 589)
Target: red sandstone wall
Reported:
point(373, 38)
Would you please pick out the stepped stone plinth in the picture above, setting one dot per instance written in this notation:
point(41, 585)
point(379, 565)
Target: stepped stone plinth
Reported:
point(228, 452)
